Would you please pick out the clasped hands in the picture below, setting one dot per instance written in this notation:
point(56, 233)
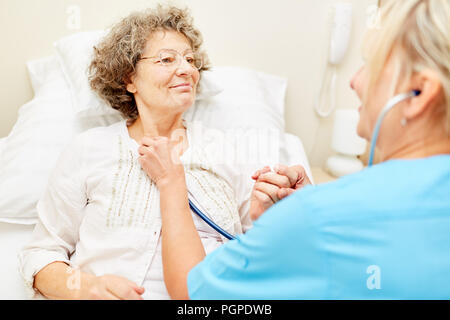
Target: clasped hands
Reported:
point(160, 159)
point(273, 186)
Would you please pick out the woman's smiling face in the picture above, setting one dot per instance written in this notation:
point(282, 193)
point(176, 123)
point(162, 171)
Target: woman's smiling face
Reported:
point(170, 89)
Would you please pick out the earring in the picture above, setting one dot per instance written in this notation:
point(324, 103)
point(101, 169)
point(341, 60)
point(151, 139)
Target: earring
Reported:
point(404, 122)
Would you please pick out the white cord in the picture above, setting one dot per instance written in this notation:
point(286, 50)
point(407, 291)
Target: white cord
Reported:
point(326, 102)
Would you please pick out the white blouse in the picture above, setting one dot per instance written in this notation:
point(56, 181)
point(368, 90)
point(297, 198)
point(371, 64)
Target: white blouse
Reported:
point(101, 212)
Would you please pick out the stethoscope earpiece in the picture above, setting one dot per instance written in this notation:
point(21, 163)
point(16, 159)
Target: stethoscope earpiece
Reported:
point(391, 103)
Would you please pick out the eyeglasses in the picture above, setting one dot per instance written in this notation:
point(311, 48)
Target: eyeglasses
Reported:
point(172, 58)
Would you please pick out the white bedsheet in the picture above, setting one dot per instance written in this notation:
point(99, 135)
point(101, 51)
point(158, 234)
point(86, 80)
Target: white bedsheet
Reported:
point(12, 238)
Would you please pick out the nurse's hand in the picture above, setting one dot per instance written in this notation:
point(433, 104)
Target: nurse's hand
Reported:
point(272, 186)
point(297, 178)
point(160, 159)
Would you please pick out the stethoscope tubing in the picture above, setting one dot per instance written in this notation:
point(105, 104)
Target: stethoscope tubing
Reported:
point(211, 223)
point(391, 103)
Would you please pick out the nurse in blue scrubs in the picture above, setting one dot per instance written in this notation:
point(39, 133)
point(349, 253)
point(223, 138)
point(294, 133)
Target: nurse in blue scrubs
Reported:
point(383, 233)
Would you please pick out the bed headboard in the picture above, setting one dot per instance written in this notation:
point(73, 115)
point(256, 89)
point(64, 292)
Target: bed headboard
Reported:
point(282, 37)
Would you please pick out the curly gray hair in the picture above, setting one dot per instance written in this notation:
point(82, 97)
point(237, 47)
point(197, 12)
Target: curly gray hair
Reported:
point(116, 56)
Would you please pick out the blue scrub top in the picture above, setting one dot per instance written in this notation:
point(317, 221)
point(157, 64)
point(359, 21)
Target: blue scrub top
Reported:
point(383, 233)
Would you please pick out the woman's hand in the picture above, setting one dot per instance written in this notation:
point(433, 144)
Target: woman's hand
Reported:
point(265, 191)
point(272, 186)
point(182, 248)
point(59, 281)
point(111, 287)
point(160, 159)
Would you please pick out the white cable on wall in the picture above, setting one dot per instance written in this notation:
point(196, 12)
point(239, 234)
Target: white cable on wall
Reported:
point(339, 42)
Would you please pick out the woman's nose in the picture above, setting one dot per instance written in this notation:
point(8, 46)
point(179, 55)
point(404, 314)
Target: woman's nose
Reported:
point(184, 68)
point(353, 81)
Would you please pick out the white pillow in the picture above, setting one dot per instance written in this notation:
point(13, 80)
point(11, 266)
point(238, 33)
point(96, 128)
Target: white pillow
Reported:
point(75, 53)
point(250, 99)
point(1, 144)
point(44, 126)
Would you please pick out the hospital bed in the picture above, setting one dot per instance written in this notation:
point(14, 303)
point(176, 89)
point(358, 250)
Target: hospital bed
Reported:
point(232, 98)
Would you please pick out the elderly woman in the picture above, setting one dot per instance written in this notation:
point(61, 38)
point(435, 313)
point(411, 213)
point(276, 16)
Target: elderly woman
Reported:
point(380, 234)
point(99, 231)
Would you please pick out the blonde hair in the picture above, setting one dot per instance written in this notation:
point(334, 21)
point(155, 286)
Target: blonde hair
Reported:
point(116, 56)
point(416, 34)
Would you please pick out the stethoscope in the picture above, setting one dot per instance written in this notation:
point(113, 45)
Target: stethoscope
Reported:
point(211, 223)
point(391, 103)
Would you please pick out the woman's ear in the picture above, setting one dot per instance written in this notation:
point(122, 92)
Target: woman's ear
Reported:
point(131, 87)
point(430, 87)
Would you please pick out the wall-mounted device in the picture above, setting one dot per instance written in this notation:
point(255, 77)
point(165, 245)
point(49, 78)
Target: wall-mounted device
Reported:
point(339, 42)
point(346, 143)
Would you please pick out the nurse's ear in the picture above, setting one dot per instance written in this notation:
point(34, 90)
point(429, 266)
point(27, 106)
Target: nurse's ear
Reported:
point(431, 94)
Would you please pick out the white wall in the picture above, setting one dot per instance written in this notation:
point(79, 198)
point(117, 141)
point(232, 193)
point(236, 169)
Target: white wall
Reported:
point(283, 37)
